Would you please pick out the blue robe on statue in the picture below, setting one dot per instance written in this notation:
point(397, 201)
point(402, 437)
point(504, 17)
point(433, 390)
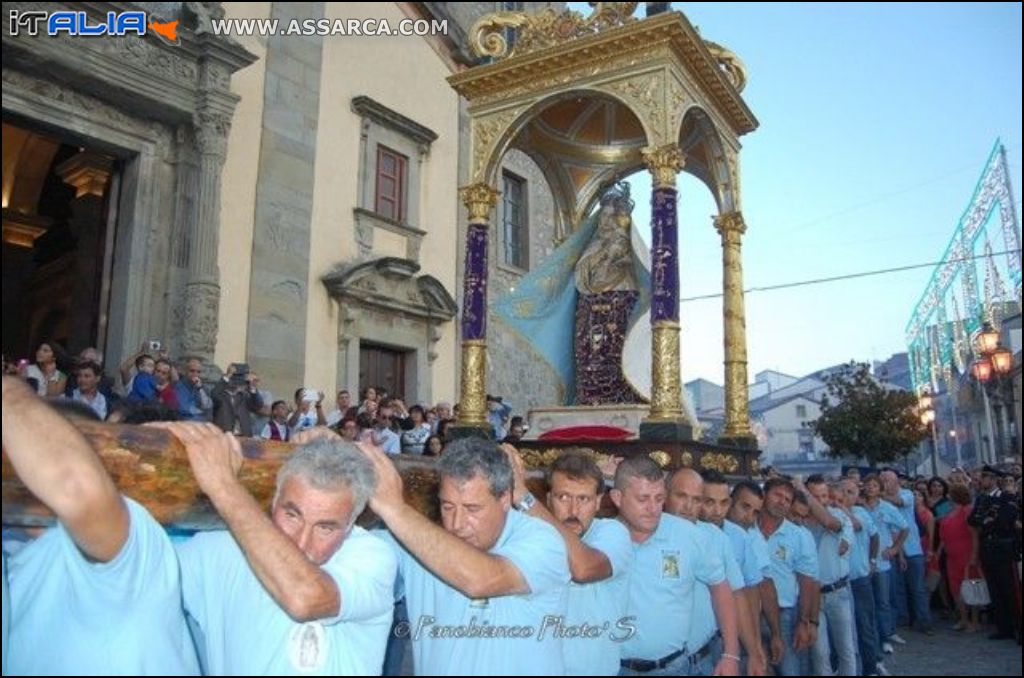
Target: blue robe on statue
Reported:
point(542, 308)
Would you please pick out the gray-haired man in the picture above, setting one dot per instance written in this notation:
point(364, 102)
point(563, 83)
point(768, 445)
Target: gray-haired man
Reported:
point(487, 591)
point(301, 591)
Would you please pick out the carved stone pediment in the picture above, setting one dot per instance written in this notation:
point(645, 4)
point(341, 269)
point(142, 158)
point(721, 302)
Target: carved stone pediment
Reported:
point(171, 82)
point(391, 284)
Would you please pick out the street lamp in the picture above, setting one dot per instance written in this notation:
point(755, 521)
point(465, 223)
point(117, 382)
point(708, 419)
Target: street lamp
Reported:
point(926, 406)
point(994, 363)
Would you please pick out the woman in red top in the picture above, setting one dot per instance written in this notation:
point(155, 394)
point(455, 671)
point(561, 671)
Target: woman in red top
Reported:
point(960, 543)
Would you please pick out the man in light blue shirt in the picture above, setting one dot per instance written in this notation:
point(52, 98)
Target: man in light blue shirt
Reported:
point(747, 498)
point(705, 497)
point(910, 582)
point(302, 591)
point(672, 555)
point(99, 593)
point(833, 533)
point(863, 554)
point(486, 593)
point(600, 557)
point(794, 570)
point(892, 532)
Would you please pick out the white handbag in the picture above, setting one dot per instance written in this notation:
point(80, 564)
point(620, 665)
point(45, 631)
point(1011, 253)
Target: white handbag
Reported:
point(974, 590)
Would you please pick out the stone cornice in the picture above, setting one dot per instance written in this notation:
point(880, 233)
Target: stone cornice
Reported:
point(393, 120)
point(153, 79)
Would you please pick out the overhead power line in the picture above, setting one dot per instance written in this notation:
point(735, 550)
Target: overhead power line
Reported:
point(849, 276)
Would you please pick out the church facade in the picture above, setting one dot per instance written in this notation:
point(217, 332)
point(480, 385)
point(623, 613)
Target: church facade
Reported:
point(288, 201)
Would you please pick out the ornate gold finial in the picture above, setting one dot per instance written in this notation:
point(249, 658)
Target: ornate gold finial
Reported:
point(665, 162)
point(479, 199)
point(733, 67)
point(544, 29)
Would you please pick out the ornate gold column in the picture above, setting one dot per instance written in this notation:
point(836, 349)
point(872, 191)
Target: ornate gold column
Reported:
point(480, 199)
point(731, 227)
point(667, 421)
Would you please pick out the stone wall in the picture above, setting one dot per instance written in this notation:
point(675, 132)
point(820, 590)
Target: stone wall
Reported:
point(279, 291)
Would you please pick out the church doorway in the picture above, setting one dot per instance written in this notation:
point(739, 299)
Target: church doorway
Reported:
point(58, 241)
point(382, 367)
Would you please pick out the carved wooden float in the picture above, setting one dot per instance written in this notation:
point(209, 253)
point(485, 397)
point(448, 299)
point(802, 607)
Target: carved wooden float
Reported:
point(150, 466)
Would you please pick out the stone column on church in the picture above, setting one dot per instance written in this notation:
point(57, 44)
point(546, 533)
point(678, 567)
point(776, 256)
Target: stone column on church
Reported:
point(737, 432)
point(480, 199)
point(202, 290)
point(89, 173)
point(666, 422)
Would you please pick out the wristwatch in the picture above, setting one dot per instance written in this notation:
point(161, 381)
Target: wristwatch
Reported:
point(526, 503)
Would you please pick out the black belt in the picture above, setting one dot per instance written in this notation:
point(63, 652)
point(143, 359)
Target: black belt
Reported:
point(835, 586)
point(647, 665)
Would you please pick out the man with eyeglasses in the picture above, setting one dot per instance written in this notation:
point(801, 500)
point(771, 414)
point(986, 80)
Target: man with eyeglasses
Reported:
point(600, 556)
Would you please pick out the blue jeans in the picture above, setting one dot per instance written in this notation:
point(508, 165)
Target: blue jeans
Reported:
point(835, 634)
point(706, 665)
point(883, 609)
point(867, 624)
point(910, 584)
point(793, 663)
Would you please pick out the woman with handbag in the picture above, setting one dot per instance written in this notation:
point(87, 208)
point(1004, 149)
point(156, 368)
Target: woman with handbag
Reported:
point(959, 541)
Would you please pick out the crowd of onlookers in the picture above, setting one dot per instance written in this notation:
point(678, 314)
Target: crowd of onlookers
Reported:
point(152, 387)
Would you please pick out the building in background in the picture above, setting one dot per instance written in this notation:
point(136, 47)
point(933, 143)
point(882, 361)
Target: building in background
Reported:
point(288, 201)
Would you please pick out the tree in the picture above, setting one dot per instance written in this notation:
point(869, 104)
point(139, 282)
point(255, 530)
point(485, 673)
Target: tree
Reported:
point(862, 418)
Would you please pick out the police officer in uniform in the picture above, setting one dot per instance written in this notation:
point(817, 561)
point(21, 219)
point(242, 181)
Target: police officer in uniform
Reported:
point(994, 516)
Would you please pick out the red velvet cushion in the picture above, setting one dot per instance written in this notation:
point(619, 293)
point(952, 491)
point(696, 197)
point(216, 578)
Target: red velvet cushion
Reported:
point(589, 432)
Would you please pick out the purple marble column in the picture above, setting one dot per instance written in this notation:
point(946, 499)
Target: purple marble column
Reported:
point(664, 256)
point(474, 298)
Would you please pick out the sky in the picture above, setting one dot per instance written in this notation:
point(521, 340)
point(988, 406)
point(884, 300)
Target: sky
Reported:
point(875, 124)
